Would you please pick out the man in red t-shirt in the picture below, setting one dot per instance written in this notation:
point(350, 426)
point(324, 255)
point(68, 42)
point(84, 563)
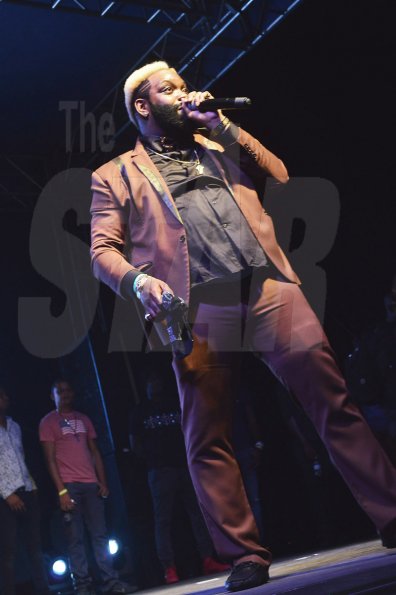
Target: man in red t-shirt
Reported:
point(76, 467)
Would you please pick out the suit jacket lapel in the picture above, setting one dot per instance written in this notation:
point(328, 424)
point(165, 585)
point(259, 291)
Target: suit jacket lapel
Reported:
point(148, 169)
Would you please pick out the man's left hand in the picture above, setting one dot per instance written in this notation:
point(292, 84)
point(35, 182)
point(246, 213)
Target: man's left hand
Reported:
point(208, 119)
point(15, 503)
point(103, 490)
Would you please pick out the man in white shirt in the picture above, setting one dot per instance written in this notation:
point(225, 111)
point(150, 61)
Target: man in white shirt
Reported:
point(18, 506)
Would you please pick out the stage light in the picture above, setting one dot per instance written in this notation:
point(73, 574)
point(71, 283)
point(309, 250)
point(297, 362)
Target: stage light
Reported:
point(59, 567)
point(113, 546)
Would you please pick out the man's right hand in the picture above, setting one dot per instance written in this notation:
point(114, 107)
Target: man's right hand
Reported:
point(151, 295)
point(66, 503)
point(15, 503)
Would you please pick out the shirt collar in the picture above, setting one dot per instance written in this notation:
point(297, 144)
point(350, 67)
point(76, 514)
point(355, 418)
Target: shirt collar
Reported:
point(166, 144)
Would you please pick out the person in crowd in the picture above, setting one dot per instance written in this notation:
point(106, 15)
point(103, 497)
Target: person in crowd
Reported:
point(19, 507)
point(76, 468)
point(156, 435)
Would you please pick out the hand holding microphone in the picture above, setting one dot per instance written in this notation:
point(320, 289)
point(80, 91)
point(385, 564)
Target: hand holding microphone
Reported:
point(204, 109)
point(191, 108)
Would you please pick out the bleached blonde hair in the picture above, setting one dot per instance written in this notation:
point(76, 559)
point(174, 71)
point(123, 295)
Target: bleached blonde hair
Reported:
point(137, 78)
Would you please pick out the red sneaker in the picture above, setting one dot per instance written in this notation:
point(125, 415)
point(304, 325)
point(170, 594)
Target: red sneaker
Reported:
point(212, 566)
point(171, 575)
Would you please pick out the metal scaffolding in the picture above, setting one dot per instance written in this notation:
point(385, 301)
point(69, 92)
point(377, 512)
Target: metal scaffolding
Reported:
point(202, 39)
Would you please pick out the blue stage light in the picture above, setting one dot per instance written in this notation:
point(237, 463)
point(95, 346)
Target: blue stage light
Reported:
point(113, 546)
point(59, 567)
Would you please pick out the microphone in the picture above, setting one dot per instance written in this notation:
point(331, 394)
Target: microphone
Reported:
point(211, 105)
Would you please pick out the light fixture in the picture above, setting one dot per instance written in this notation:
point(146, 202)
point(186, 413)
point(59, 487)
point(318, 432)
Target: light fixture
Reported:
point(113, 546)
point(59, 567)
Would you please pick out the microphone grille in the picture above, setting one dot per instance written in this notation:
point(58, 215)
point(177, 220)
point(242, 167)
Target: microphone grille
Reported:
point(245, 101)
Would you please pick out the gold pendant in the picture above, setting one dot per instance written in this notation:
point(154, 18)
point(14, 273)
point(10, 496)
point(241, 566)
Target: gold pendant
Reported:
point(199, 168)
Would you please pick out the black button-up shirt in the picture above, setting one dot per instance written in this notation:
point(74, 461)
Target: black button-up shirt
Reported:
point(221, 243)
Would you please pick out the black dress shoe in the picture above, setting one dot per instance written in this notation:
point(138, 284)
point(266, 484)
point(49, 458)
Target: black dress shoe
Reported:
point(246, 576)
point(388, 535)
point(388, 541)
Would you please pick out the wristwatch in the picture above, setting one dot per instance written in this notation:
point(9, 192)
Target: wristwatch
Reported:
point(138, 284)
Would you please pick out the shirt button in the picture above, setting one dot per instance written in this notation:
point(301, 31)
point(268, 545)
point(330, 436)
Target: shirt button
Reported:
point(225, 225)
point(182, 239)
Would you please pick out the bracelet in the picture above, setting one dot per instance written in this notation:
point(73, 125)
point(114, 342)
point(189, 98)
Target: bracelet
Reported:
point(259, 445)
point(63, 492)
point(221, 126)
point(139, 282)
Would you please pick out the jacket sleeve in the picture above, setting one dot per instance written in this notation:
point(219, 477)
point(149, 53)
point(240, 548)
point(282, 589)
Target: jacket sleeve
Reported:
point(108, 239)
point(253, 158)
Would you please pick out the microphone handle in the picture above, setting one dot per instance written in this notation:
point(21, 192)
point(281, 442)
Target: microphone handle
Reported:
point(210, 105)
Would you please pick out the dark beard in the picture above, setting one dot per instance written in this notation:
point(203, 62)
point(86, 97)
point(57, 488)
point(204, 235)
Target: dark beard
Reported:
point(173, 122)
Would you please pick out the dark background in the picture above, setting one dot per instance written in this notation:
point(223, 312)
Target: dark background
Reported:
point(323, 91)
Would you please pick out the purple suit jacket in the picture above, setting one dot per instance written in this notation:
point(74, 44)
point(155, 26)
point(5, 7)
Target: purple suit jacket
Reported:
point(137, 227)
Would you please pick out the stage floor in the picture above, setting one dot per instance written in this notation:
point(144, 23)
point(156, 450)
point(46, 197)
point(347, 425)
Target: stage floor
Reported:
point(363, 568)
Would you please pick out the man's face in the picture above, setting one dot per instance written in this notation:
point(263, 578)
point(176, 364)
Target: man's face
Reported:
point(167, 89)
point(4, 402)
point(63, 394)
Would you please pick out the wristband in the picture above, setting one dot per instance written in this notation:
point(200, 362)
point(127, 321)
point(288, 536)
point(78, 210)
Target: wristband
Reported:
point(63, 492)
point(259, 445)
point(221, 126)
point(139, 282)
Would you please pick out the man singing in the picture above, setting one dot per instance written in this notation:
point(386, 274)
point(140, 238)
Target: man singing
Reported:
point(180, 213)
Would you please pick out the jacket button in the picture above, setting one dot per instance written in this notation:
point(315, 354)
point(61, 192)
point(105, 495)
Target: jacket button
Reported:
point(182, 239)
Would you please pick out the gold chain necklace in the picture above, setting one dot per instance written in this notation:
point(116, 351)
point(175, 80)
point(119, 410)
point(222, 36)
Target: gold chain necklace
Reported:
point(199, 168)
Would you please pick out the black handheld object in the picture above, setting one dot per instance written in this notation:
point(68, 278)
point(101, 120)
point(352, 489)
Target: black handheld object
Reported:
point(68, 516)
point(211, 105)
point(179, 331)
